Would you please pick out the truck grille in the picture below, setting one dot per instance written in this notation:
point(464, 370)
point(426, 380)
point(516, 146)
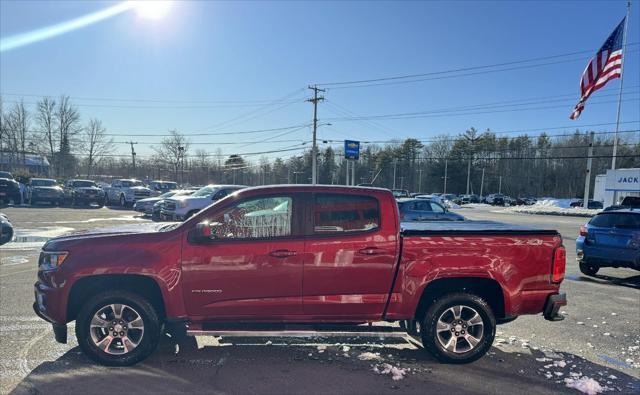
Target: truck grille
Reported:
point(141, 194)
point(169, 206)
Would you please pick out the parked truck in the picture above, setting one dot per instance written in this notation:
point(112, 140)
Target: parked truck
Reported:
point(239, 265)
point(125, 192)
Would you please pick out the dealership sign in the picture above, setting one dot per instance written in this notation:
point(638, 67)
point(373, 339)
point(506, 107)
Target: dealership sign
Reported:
point(351, 149)
point(627, 180)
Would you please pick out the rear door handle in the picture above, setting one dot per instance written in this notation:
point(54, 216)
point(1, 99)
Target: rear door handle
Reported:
point(370, 251)
point(282, 253)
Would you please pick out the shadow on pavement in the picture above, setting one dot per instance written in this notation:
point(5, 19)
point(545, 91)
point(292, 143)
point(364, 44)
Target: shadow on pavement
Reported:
point(278, 365)
point(631, 282)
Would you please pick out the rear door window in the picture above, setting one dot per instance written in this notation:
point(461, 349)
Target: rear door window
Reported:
point(337, 213)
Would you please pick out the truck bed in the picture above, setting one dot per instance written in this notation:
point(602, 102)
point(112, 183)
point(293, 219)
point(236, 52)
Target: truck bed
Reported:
point(454, 228)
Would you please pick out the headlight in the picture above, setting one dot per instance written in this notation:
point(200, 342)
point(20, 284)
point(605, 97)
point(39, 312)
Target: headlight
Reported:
point(51, 260)
point(183, 203)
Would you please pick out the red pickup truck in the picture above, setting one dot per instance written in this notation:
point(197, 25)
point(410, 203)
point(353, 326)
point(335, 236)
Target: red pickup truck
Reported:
point(298, 258)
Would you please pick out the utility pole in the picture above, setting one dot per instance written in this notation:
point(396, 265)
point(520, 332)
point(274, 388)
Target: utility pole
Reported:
point(133, 157)
point(419, 180)
point(587, 181)
point(314, 149)
point(353, 172)
point(500, 185)
point(481, 183)
point(395, 165)
point(468, 174)
point(444, 189)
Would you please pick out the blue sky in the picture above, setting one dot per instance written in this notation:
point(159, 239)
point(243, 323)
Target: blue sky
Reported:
point(248, 53)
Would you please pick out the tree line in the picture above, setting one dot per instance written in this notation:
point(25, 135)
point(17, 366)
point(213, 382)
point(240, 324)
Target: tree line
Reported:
point(478, 162)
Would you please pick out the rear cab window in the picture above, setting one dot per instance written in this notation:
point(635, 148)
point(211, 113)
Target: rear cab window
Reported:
point(344, 213)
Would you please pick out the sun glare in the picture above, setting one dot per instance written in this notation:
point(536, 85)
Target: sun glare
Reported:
point(152, 9)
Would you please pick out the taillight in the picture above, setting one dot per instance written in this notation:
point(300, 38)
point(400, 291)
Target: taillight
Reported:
point(559, 264)
point(584, 231)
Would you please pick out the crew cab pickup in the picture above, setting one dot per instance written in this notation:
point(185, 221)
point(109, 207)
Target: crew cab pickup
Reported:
point(300, 259)
point(126, 192)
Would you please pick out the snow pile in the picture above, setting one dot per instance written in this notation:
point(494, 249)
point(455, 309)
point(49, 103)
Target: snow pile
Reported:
point(369, 356)
point(585, 385)
point(472, 205)
point(450, 204)
point(554, 207)
point(396, 373)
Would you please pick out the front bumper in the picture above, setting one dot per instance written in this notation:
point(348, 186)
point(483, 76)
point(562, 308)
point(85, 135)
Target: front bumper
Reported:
point(552, 307)
point(59, 330)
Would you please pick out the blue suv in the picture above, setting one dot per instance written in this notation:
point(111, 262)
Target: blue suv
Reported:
point(610, 239)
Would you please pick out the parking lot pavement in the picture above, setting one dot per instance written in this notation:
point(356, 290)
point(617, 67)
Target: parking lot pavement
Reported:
point(599, 338)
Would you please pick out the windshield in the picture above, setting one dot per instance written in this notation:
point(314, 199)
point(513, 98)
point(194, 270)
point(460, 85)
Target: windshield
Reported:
point(83, 184)
point(167, 195)
point(4, 174)
point(165, 185)
point(128, 183)
point(206, 191)
point(43, 183)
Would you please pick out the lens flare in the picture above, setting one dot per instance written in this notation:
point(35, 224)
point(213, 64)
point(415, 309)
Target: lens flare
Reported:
point(152, 9)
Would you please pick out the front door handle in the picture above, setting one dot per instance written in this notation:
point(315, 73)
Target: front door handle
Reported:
point(282, 253)
point(370, 251)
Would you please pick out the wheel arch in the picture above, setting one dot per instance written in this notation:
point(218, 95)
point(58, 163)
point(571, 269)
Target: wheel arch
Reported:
point(86, 287)
point(487, 288)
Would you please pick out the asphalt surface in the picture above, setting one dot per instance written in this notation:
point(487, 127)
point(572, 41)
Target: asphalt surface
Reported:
point(599, 338)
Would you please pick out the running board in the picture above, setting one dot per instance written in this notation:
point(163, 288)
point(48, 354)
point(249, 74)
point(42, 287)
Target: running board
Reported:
point(297, 330)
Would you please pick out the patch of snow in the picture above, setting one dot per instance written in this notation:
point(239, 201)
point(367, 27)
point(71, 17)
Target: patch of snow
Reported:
point(268, 343)
point(369, 356)
point(554, 207)
point(614, 314)
point(396, 373)
point(321, 348)
point(612, 377)
point(585, 385)
point(558, 374)
point(580, 323)
point(560, 364)
point(606, 334)
point(346, 348)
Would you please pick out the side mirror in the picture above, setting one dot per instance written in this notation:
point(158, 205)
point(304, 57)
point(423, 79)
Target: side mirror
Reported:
point(204, 231)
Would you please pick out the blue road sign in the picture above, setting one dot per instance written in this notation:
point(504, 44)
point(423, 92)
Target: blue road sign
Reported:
point(351, 149)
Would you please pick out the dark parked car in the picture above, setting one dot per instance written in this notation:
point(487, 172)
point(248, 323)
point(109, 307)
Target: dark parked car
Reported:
point(627, 202)
point(466, 199)
point(425, 210)
point(6, 229)
point(45, 190)
point(593, 204)
point(610, 239)
point(9, 189)
point(81, 192)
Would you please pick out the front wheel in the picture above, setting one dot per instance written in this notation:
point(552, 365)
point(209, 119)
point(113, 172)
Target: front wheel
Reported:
point(118, 328)
point(458, 328)
point(588, 269)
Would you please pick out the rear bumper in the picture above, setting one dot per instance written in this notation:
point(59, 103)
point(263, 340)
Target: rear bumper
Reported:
point(552, 307)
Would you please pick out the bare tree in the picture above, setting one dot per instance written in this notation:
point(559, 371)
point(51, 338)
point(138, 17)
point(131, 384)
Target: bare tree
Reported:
point(17, 128)
point(95, 143)
point(173, 149)
point(68, 122)
point(46, 119)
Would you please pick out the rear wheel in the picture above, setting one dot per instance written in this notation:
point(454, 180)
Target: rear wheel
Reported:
point(118, 328)
point(458, 328)
point(588, 269)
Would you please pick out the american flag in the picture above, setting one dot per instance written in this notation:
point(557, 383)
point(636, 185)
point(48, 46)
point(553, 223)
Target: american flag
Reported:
point(602, 68)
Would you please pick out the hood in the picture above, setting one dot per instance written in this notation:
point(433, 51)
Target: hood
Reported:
point(193, 200)
point(87, 189)
point(42, 188)
point(148, 200)
point(129, 229)
point(139, 188)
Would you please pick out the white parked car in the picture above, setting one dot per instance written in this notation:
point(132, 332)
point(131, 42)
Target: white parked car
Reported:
point(126, 192)
point(182, 207)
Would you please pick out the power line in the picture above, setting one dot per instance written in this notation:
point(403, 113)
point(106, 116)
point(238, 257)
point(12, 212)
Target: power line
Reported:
point(430, 114)
point(335, 85)
point(173, 107)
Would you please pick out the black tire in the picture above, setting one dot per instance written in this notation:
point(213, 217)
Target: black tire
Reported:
point(190, 214)
point(588, 268)
point(150, 337)
point(429, 333)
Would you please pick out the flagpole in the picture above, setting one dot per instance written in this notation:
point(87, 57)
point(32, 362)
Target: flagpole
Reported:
point(624, 55)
